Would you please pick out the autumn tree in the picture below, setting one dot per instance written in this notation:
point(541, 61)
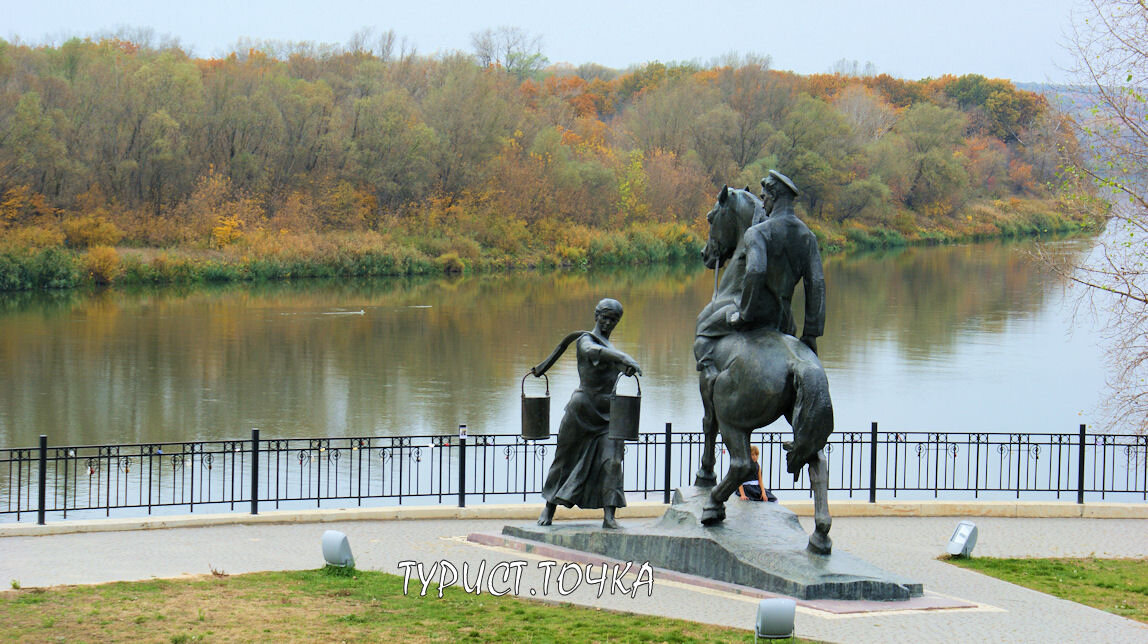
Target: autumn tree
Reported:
point(510, 48)
point(986, 161)
point(389, 148)
point(678, 190)
point(471, 114)
point(667, 117)
point(1050, 139)
point(760, 99)
point(937, 178)
point(810, 147)
point(870, 115)
point(33, 144)
point(1006, 110)
point(899, 92)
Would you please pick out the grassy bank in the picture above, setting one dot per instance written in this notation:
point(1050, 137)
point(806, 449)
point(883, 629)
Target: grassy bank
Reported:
point(325, 605)
point(264, 256)
point(979, 221)
point(43, 259)
point(1117, 586)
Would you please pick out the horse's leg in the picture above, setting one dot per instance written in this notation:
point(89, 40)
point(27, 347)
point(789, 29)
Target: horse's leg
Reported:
point(819, 541)
point(741, 468)
point(705, 476)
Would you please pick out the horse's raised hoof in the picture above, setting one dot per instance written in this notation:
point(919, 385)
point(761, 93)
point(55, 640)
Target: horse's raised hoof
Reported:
point(713, 515)
point(820, 544)
point(705, 479)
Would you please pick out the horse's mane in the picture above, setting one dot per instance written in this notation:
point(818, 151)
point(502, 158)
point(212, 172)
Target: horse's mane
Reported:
point(758, 206)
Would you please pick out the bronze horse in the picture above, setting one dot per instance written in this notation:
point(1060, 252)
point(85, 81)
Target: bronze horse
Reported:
point(761, 375)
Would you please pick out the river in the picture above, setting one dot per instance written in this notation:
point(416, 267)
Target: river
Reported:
point(954, 338)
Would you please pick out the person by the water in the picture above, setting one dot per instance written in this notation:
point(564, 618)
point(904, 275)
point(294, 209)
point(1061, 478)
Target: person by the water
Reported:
point(754, 489)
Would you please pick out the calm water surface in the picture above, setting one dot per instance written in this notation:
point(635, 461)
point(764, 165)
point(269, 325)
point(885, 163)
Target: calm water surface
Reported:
point(958, 338)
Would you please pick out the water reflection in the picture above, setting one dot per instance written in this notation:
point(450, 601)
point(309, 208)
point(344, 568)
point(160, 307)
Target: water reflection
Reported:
point(957, 338)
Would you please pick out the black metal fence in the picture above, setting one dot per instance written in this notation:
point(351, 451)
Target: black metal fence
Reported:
point(58, 482)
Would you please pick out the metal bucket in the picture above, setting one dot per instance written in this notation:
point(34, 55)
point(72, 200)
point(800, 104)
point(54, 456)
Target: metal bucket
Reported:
point(535, 413)
point(624, 413)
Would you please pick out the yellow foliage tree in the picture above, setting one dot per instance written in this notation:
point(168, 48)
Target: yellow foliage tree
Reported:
point(632, 204)
point(347, 207)
point(217, 212)
point(21, 205)
point(102, 263)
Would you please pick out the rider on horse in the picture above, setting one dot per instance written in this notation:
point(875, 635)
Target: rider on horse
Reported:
point(753, 369)
point(780, 250)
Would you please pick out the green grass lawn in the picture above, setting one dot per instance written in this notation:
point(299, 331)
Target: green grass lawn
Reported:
point(1119, 586)
point(318, 605)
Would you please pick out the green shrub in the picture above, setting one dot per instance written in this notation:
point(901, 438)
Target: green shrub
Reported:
point(220, 272)
point(450, 263)
point(861, 238)
point(54, 268)
point(889, 238)
point(172, 270)
point(14, 272)
point(261, 270)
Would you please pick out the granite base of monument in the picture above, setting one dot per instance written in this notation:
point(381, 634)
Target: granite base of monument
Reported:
point(760, 545)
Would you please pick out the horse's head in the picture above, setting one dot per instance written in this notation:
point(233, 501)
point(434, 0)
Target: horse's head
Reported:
point(729, 219)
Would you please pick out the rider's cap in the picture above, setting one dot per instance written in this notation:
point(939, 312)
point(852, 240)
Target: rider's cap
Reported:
point(782, 179)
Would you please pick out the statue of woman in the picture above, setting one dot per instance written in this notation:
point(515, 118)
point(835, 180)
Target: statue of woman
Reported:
point(587, 468)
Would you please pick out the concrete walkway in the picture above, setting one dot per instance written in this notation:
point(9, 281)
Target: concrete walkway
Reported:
point(907, 545)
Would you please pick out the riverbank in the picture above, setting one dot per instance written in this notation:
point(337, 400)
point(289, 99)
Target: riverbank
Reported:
point(39, 259)
point(264, 256)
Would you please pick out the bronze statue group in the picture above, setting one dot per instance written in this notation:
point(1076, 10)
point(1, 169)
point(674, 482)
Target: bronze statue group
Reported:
point(753, 367)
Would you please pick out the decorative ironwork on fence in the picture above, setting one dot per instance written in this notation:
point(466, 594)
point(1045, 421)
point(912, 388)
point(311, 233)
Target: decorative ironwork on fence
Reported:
point(231, 475)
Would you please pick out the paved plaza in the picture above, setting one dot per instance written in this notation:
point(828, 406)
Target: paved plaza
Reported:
point(907, 546)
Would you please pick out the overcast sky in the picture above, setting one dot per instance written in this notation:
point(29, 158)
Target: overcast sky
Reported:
point(1016, 39)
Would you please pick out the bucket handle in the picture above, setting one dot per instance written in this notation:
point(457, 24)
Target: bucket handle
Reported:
point(636, 380)
point(529, 373)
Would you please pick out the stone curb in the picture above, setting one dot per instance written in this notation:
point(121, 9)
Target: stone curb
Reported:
point(1005, 509)
point(636, 510)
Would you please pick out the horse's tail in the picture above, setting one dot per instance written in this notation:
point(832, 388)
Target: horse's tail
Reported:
point(812, 418)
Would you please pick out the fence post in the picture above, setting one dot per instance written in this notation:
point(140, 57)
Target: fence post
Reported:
point(873, 462)
point(462, 466)
point(254, 470)
point(1080, 469)
point(43, 479)
point(668, 460)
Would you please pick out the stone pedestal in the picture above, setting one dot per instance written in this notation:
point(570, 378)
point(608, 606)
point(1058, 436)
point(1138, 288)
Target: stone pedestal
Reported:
point(760, 545)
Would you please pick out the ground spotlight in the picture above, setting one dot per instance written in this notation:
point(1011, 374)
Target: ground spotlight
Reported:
point(336, 549)
point(775, 618)
point(963, 539)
